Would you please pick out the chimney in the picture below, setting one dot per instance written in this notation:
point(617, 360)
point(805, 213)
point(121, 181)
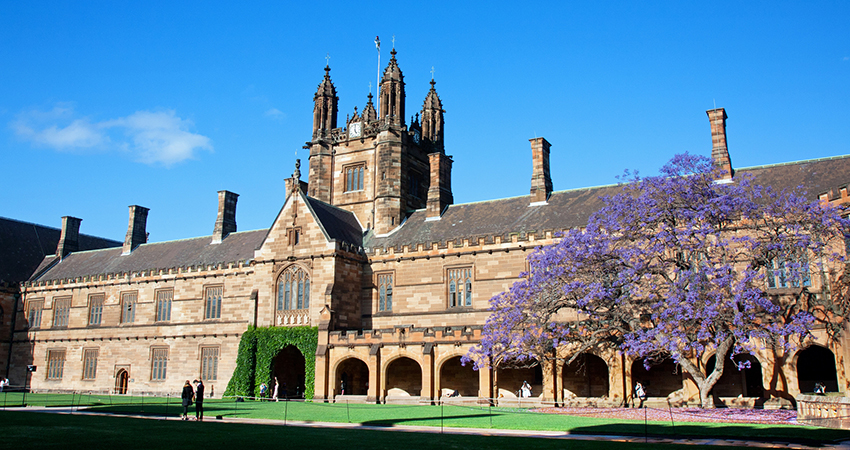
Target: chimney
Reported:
point(541, 182)
point(440, 188)
point(136, 234)
point(69, 239)
point(225, 223)
point(719, 151)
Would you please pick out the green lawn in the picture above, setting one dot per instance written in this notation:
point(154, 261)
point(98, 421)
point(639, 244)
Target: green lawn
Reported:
point(62, 431)
point(436, 416)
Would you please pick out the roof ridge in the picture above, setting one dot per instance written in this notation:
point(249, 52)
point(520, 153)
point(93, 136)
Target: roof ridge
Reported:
point(24, 222)
point(791, 163)
point(202, 237)
point(586, 188)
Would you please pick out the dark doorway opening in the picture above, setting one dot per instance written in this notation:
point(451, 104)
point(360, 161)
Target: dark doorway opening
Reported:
point(352, 377)
point(586, 376)
point(288, 370)
point(816, 364)
point(746, 382)
point(660, 380)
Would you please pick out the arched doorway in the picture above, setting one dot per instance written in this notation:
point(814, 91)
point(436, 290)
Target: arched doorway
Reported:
point(509, 380)
point(404, 378)
point(456, 377)
point(586, 376)
point(122, 380)
point(662, 379)
point(352, 377)
point(816, 364)
point(288, 369)
point(746, 382)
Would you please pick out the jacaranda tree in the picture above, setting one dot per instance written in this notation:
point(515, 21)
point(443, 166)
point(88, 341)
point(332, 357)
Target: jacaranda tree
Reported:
point(677, 265)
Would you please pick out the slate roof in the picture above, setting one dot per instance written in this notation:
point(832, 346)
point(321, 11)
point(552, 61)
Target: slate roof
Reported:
point(24, 246)
point(572, 208)
point(341, 225)
point(816, 176)
point(235, 247)
point(503, 217)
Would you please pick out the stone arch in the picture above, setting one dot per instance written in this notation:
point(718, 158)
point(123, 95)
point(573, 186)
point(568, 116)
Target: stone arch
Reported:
point(453, 376)
point(747, 382)
point(122, 381)
point(402, 378)
point(351, 377)
point(289, 369)
point(509, 379)
point(661, 380)
point(816, 364)
point(586, 376)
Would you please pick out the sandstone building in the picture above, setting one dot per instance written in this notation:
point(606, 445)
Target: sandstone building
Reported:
point(370, 252)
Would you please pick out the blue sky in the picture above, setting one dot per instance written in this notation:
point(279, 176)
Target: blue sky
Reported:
point(108, 104)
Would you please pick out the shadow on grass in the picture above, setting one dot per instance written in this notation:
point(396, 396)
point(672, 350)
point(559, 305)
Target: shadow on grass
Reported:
point(760, 433)
point(39, 430)
point(424, 420)
point(211, 409)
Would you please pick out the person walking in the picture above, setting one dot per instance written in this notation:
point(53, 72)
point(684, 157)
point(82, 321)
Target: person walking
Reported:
point(186, 396)
point(199, 400)
point(276, 385)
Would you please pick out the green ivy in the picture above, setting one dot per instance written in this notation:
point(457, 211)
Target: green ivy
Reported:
point(258, 348)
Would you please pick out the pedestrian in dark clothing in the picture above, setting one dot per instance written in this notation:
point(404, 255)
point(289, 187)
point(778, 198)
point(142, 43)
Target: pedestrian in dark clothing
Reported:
point(186, 396)
point(199, 400)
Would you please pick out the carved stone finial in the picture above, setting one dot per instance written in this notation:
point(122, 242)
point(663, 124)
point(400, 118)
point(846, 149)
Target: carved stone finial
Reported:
point(297, 173)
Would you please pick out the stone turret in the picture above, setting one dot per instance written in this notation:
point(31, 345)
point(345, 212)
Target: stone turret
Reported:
point(392, 94)
point(432, 120)
point(321, 153)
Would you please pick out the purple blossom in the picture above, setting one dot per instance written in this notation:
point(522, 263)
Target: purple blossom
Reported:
point(676, 265)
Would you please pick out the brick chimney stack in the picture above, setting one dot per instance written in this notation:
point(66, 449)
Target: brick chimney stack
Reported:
point(136, 234)
point(541, 182)
point(225, 222)
point(719, 151)
point(440, 188)
point(69, 239)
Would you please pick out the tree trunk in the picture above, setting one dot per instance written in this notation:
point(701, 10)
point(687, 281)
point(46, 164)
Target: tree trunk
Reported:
point(705, 382)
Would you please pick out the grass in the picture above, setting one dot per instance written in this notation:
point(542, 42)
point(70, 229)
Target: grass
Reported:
point(62, 431)
point(437, 416)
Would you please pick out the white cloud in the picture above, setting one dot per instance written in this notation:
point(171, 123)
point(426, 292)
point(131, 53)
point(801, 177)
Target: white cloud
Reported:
point(275, 113)
point(156, 138)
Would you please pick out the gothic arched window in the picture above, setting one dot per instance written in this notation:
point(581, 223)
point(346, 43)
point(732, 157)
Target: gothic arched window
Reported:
point(293, 289)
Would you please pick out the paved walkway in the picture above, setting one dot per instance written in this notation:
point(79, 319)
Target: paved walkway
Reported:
point(467, 431)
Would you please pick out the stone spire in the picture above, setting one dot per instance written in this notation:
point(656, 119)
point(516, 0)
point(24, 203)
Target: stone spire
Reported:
point(324, 107)
point(391, 103)
point(432, 119)
point(369, 113)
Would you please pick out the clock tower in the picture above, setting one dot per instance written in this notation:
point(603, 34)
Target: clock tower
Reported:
point(375, 165)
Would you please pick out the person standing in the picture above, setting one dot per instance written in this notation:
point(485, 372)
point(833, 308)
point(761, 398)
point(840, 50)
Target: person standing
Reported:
point(186, 396)
point(199, 400)
point(525, 390)
point(640, 393)
point(276, 385)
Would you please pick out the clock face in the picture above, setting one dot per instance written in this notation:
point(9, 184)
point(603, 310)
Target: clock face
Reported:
point(354, 130)
point(416, 136)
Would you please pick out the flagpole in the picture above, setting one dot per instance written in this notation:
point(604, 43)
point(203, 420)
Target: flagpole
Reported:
point(378, 85)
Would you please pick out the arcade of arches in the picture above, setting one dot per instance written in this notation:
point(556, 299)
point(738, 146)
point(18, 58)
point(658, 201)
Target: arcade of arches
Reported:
point(587, 379)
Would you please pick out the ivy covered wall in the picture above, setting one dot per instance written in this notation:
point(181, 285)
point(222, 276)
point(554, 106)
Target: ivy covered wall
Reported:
point(257, 350)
